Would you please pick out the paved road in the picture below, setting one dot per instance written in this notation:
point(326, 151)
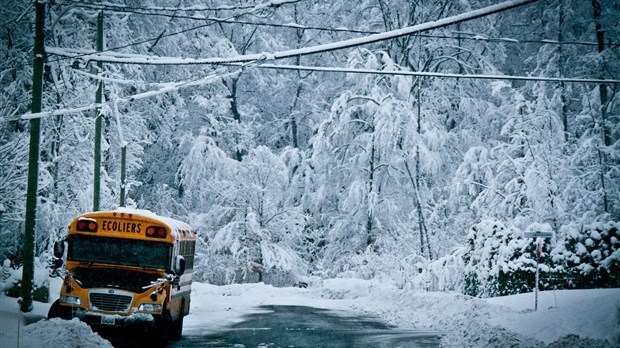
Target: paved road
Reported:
point(293, 326)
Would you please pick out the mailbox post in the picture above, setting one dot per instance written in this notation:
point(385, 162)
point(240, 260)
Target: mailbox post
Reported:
point(537, 234)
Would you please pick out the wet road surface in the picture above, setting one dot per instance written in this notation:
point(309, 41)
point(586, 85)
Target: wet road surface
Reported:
point(296, 326)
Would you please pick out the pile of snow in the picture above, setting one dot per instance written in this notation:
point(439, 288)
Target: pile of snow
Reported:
point(589, 315)
point(42, 332)
point(61, 333)
point(568, 318)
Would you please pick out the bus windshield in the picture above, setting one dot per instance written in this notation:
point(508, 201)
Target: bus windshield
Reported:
point(126, 279)
point(116, 251)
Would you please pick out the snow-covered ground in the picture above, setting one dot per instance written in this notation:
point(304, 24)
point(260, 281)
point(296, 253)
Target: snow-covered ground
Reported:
point(465, 321)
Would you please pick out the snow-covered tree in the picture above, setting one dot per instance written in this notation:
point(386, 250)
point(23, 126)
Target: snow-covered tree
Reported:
point(250, 230)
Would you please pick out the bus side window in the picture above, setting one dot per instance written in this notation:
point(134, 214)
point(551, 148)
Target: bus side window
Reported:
point(187, 249)
point(192, 247)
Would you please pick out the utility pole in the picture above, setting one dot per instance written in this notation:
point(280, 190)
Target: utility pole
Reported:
point(33, 160)
point(123, 170)
point(98, 99)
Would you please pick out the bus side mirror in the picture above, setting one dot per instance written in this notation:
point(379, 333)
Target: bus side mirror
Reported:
point(179, 265)
point(59, 249)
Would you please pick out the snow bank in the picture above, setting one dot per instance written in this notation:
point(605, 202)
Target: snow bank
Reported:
point(41, 332)
point(589, 313)
point(573, 317)
point(44, 333)
point(61, 333)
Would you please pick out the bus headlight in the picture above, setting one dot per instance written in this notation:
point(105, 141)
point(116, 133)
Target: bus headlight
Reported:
point(70, 300)
point(149, 307)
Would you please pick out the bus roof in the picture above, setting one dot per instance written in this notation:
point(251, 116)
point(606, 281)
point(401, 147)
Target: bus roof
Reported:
point(176, 226)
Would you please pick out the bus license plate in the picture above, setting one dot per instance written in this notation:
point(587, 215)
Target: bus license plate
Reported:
point(108, 320)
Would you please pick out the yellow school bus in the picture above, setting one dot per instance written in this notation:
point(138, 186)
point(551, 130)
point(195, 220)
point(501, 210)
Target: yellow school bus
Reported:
point(127, 268)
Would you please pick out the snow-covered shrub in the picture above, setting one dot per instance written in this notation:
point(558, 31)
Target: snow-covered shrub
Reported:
point(12, 281)
point(589, 255)
point(499, 261)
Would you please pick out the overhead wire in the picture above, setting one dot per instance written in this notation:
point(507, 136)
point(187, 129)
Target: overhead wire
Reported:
point(195, 8)
point(338, 45)
point(378, 37)
point(147, 60)
point(229, 20)
point(135, 59)
point(470, 37)
point(258, 62)
point(162, 35)
point(166, 88)
point(432, 74)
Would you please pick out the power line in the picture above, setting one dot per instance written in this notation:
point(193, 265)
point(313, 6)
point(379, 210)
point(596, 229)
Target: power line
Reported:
point(171, 87)
point(196, 8)
point(251, 59)
point(432, 74)
point(228, 21)
point(471, 37)
point(148, 60)
point(217, 77)
point(326, 69)
point(476, 38)
point(137, 59)
point(159, 37)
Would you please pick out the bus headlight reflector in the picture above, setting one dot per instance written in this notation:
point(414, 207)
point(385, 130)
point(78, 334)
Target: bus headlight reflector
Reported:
point(71, 300)
point(149, 307)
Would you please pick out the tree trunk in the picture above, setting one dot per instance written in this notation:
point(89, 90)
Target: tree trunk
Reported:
point(415, 182)
point(600, 40)
point(564, 106)
point(602, 88)
point(235, 111)
point(294, 136)
point(370, 208)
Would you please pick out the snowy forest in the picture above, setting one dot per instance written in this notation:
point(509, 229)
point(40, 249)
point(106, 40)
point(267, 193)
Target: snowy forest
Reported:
point(335, 163)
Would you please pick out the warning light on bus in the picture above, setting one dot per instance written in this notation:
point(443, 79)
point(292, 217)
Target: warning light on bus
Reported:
point(156, 232)
point(86, 226)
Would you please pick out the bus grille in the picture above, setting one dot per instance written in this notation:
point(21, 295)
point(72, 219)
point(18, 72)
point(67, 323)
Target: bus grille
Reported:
point(109, 302)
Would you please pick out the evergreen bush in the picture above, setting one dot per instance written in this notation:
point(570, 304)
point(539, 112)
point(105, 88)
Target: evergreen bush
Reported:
point(499, 261)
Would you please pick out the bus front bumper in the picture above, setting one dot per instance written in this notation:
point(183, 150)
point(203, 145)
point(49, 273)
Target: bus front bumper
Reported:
point(115, 320)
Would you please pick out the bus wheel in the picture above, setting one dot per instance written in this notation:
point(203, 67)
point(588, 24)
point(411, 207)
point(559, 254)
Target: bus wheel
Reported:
point(171, 329)
point(176, 328)
point(58, 311)
point(53, 312)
